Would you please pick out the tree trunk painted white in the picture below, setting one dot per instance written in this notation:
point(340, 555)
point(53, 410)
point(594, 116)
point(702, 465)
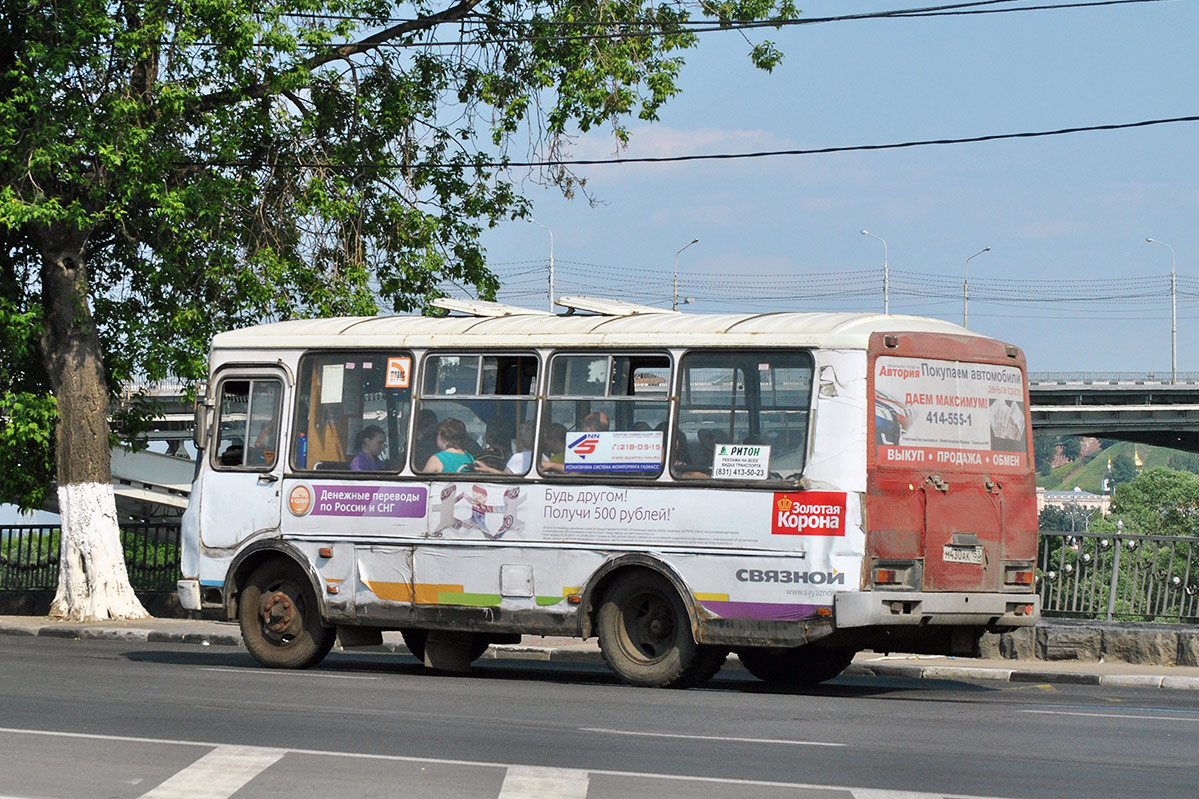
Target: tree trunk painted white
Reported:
point(93, 582)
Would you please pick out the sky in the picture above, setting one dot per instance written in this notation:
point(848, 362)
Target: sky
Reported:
point(1070, 277)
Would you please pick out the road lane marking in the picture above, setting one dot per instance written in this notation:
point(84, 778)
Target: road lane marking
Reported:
point(1109, 715)
point(532, 782)
point(275, 673)
point(730, 781)
point(786, 741)
point(219, 774)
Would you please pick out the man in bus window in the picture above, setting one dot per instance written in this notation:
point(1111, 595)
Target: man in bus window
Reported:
point(595, 422)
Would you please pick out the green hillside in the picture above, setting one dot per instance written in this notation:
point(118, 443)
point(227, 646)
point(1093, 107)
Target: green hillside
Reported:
point(1087, 473)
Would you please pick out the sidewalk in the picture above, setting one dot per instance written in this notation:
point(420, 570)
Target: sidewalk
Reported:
point(215, 633)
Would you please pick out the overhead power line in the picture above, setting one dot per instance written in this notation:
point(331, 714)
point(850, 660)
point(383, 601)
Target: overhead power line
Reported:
point(633, 29)
point(669, 159)
point(630, 29)
point(914, 292)
point(666, 159)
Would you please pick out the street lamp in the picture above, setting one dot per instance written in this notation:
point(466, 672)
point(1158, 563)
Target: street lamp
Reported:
point(674, 306)
point(886, 273)
point(547, 230)
point(1173, 312)
point(966, 287)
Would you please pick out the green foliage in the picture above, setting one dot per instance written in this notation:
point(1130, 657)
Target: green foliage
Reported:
point(1071, 447)
point(229, 163)
point(27, 411)
point(1158, 502)
point(1044, 448)
point(1124, 469)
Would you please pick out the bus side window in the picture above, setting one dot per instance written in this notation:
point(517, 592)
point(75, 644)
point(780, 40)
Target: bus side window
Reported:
point(607, 413)
point(486, 400)
point(248, 424)
point(742, 415)
point(352, 412)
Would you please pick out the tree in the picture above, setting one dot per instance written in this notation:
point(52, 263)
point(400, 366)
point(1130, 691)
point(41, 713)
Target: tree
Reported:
point(1044, 450)
point(169, 168)
point(1158, 502)
point(1071, 447)
point(1124, 470)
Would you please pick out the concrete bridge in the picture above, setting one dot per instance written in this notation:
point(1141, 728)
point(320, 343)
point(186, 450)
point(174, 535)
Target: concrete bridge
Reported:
point(1146, 408)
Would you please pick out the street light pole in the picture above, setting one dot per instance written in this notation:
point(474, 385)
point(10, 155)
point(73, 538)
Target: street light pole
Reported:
point(966, 288)
point(1173, 312)
point(674, 305)
point(547, 230)
point(886, 273)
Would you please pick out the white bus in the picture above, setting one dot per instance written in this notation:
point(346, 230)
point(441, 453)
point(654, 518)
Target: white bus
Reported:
point(792, 487)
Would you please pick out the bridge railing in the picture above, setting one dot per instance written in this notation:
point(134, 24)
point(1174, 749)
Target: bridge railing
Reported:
point(1069, 378)
point(29, 556)
point(1122, 577)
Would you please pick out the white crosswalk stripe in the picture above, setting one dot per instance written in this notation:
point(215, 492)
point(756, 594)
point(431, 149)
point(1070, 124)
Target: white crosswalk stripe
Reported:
point(219, 774)
point(530, 782)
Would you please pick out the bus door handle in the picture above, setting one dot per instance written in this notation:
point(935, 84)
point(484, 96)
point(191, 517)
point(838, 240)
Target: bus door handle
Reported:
point(268, 477)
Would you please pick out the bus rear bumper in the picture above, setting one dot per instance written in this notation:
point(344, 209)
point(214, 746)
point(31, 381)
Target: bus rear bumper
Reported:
point(909, 608)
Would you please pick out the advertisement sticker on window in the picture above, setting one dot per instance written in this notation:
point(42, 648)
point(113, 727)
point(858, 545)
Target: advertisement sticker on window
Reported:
point(399, 370)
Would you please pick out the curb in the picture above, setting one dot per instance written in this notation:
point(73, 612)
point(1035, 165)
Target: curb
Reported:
point(569, 655)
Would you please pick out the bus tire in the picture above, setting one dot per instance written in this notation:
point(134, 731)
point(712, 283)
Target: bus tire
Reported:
point(645, 635)
point(800, 666)
point(280, 619)
point(415, 640)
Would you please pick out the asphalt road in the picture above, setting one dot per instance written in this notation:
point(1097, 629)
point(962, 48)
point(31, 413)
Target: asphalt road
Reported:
point(120, 719)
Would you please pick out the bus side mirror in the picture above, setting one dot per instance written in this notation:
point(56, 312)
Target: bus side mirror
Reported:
point(203, 417)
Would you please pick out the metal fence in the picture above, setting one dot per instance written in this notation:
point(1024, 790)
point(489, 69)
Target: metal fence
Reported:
point(1122, 577)
point(29, 556)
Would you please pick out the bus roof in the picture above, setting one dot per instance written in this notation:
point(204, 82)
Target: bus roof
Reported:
point(653, 327)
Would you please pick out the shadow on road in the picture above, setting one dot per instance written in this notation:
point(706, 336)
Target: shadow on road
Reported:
point(729, 680)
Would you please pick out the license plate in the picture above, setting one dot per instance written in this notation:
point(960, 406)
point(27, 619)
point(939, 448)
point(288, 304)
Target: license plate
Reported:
point(954, 554)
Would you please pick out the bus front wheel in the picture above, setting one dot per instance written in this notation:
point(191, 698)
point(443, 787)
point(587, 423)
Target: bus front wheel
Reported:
point(645, 635)
point(280, 620)
point(803, 665)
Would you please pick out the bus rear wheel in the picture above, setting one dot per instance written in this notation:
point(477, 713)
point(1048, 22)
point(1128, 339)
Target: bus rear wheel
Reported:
point(280, 619)
point(645, 636)
point(803, 665)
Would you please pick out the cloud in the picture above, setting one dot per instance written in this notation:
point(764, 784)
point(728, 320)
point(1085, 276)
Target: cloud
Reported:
point(660, 141)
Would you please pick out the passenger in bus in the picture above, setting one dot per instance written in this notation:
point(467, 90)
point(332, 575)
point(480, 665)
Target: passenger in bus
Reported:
point(370, 443)
point(453, 457)
point(553, 450)
point(595, 422)
point(707, 449)
point(498, 440)
point(521, 459)
point(426, 437)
